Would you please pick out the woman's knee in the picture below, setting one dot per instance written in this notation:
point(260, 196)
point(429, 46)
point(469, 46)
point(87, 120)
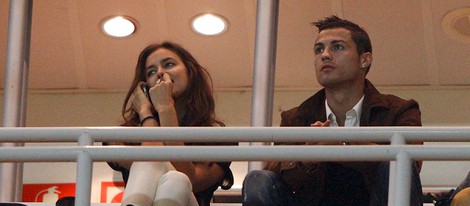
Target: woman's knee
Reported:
point(175, 187)
point(174, 176)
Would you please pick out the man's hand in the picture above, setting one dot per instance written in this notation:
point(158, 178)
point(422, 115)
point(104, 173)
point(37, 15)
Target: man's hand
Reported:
point(323, 124)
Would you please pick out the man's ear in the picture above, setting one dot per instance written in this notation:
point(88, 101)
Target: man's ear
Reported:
point(366, 59)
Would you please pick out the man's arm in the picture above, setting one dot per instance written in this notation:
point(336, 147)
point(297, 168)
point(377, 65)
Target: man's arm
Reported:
point(410, 116)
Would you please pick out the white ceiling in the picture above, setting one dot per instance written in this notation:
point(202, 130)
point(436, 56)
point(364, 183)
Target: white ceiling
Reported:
point(69, 52)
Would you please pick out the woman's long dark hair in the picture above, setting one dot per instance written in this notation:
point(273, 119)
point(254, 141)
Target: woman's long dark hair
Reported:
point(198, 96)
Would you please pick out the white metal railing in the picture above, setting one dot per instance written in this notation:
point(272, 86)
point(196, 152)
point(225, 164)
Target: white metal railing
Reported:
point(85, 153)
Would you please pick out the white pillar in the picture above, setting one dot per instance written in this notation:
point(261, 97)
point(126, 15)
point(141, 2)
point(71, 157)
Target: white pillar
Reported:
point(14, 100)
point(264, 68)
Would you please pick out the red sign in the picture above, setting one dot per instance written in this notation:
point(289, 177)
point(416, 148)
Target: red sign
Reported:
point(111, 192)
point(47, 192)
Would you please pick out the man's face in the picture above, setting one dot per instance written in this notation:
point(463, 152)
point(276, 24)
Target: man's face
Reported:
point(337, 63)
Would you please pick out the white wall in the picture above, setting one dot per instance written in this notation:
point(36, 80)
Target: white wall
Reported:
point(440, 107)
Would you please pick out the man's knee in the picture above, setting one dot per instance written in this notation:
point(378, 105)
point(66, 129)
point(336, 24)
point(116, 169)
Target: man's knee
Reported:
point(256, 176)
point(462, 198)
point(259, 188)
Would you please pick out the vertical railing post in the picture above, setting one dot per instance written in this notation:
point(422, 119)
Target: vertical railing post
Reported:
point(396, 139)
point(264, 67)
point(84, 173)
point(84, 176)
point(85, 139)
point(403, 179)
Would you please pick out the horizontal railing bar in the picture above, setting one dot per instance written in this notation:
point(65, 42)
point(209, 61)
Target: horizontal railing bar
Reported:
point(233, 153)
point(234, 134)
point(86, 155)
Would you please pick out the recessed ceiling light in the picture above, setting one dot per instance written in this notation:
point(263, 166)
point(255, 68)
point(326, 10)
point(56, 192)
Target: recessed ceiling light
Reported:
point(209, 24)
point(119, 26)
point(457, 24)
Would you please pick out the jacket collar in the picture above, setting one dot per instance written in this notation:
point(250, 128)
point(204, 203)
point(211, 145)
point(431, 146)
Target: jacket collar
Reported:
point(308, 110)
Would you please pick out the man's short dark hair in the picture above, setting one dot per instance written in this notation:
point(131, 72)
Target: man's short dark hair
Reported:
point(358, 34)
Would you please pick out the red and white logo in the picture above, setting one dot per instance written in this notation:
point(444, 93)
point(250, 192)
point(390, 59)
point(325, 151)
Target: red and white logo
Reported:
point(47, 192)
point(111, 192)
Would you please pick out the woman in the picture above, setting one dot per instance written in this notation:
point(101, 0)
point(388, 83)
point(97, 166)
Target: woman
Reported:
point(179, 94)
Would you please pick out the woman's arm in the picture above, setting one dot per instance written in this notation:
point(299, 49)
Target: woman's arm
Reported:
point(202, 174)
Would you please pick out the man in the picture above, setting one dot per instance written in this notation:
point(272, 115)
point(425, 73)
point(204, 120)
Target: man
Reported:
point(461, 194)
point(343, 56)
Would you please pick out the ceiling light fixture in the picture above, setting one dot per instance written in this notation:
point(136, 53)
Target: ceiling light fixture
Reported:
point(209, 24)
point(119, 26)
point(457, 24)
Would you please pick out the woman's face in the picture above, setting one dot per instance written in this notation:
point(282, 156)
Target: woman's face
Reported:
point(164, 61)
